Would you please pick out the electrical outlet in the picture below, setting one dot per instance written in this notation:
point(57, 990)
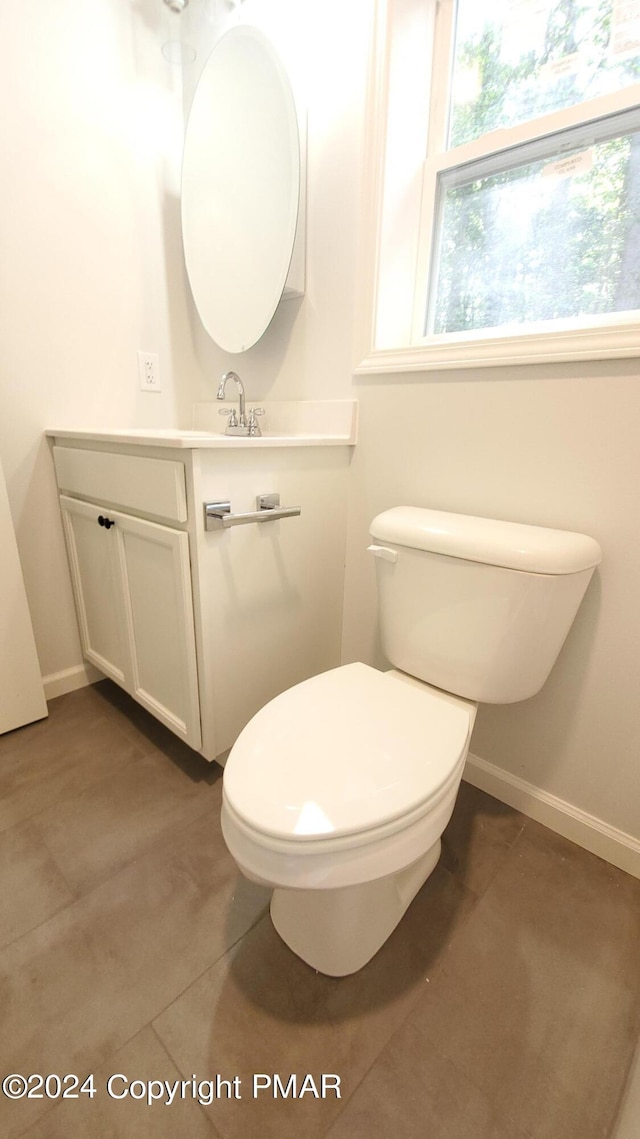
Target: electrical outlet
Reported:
point(149, 372)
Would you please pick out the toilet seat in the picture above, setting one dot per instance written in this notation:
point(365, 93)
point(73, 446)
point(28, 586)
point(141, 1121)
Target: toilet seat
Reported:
point(351, 753)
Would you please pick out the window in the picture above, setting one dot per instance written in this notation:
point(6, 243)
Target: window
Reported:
point(506, 179)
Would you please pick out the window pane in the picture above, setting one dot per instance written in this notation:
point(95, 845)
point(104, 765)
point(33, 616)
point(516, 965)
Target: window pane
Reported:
point(541, 241)
point(517, 59)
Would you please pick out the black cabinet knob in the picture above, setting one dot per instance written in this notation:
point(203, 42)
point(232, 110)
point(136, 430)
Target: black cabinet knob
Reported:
point(106, 522)
point(100, 520)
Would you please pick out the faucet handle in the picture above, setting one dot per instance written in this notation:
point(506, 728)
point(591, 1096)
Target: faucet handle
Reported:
point(231, 412)
point(252, 423)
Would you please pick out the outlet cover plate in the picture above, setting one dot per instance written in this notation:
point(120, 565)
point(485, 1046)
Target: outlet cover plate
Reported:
point(149, 372)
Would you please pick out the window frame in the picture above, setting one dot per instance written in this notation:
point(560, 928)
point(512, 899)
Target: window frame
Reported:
point(402, 197)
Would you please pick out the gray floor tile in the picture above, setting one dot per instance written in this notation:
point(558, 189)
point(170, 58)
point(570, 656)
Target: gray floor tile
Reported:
point(505, 1006)
point(627, 1118)
point(258, 1011)
point(478, 837)
point(261, 1010)
point(32, 888)
point(94, 834)
point(151, 734)
point(415, 1093)
point(80, 743)
point(119, 1115)
point(88, 979)
point(538, 1003)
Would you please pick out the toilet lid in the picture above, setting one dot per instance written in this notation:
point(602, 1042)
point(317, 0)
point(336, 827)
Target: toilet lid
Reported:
point(347, 751)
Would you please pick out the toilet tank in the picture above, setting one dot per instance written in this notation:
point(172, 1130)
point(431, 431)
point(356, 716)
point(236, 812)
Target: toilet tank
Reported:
point(475, 606)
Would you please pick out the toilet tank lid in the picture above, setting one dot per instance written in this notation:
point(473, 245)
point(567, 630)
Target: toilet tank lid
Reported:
point(513, 545)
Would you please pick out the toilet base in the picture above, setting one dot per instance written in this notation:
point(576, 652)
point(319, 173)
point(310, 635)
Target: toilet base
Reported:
point(338, 931)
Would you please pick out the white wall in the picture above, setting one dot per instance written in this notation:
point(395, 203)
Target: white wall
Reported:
point(554, 447)
point(91, 266)
point(307, 351)
point(92, 269)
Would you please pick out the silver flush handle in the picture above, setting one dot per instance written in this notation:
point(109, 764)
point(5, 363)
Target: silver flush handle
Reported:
point(383, 552)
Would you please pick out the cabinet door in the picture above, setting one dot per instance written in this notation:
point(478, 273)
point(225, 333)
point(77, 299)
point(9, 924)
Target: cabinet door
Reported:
point(96, 578)
point(156, 576)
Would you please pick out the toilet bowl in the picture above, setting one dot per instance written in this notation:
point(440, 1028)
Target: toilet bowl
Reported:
point(337, 792)
point(345, 857)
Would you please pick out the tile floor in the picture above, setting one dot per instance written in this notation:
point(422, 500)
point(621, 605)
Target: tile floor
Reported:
point(505, 1006)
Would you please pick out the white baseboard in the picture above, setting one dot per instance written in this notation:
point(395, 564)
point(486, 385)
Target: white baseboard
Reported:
point(615, 846)
point(58, 683)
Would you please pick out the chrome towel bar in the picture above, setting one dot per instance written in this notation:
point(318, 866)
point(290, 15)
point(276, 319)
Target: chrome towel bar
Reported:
point(218, 516)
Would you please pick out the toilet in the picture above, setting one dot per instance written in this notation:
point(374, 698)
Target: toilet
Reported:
point(337, 792)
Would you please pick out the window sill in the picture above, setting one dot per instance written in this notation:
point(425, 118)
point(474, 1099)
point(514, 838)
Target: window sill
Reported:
point(606, 342)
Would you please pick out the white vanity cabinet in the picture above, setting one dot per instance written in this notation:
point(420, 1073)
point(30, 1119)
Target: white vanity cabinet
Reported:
point(131, 579)
point(203, 626)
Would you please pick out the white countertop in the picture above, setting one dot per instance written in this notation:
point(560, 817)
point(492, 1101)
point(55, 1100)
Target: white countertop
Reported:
point(298, 423)
point(176, 437)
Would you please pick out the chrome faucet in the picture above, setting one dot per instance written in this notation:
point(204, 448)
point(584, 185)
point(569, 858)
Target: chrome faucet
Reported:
point(238, 424)
point(242, 420)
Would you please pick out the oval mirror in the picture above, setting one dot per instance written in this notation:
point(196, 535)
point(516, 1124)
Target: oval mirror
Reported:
point(240, 188)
